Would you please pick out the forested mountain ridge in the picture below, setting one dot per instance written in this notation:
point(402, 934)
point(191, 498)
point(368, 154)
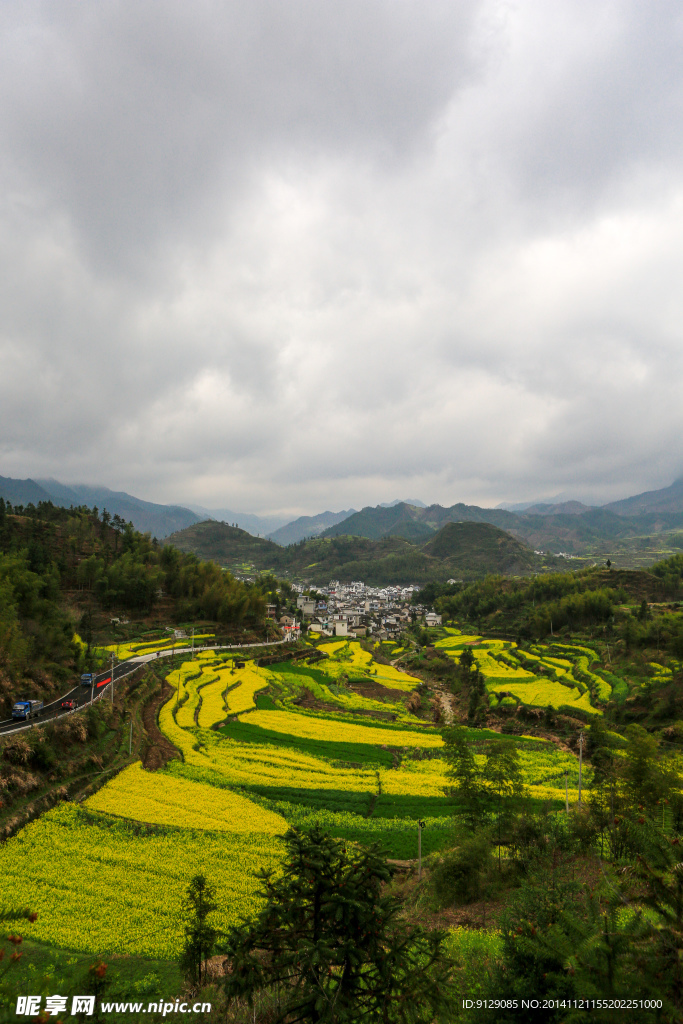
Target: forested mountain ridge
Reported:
point(146, 516)
point(67, 571)
point(468, 550)
point(466, 546)
point(401, 520)
point(566, 528)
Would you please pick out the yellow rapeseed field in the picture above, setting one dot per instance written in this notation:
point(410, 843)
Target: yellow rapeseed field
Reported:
point(312, 727)
point(99, 886)
point(457, 642)
point(212, 707)
point(190, 676)
point(415, 778)
point(547, 693)
point(251, 680)
point(492, 669)
point(359, 657)
point(333, 648)
point(109, 876)
point(161, 799)
point(243, 764)
point(246, 764)
point(138, 647)
point(394, 678)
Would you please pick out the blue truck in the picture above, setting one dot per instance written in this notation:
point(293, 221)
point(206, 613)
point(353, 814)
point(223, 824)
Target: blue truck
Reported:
point(87, 678)
point(27, 709)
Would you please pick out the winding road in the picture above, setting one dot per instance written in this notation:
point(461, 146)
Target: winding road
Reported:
point(86, 694)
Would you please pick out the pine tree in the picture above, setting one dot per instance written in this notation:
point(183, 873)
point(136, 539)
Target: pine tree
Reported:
point(463, 771)
point(200, 936)
point(466, 661)
point(331, 944)
point(476, 712)
point(503, 773)
point(664, 895)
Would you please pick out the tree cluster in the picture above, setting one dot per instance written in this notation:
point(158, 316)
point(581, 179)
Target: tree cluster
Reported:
point(329, 945)
point(49, 554)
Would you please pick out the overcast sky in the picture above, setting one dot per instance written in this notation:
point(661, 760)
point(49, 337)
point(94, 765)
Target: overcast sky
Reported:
point(285, 255)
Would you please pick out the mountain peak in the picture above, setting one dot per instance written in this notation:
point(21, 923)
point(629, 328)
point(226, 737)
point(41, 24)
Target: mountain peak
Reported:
point(402, 501)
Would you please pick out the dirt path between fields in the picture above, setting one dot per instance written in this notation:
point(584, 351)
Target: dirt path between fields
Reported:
point(446, 701)
point(159, 749)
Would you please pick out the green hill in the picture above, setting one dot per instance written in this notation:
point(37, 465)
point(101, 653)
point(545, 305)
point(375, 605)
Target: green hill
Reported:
point(479, 548)
point(219, 542)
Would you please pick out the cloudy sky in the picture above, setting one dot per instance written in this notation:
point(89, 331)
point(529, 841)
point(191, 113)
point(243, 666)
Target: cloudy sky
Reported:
point(285, 255)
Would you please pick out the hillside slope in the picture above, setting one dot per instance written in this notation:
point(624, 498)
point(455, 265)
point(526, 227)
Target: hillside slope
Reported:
point(64, 571)
point(146, 516)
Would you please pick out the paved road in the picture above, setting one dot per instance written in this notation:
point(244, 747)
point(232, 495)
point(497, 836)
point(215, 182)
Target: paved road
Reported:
point(84, 694)
point(81, 694)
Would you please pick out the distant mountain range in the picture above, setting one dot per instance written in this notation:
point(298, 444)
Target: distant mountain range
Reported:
point(460, 550)
point(403, 501)
point(415, 523)
point(259, 526)
point(308, 526)
point(146, 516)
point(564, 525)
point(666, 500)
point(568, 526)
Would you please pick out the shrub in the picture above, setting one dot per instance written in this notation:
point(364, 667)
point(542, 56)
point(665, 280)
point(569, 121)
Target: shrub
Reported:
point(461, 875)
point(43, 757)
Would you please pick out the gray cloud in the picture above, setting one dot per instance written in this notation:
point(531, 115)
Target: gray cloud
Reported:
point(299, 256)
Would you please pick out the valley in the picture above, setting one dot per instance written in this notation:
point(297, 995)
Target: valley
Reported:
point(503, 713)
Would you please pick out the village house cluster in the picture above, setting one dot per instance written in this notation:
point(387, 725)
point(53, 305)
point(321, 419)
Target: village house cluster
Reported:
point(354, 610)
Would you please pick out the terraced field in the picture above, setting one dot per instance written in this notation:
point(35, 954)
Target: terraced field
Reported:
point(548, 675)
point(329, 740)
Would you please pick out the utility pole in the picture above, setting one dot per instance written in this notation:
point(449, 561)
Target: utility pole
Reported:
point(580, 763)
point(112, 677)
point(566, 791)
point(130, 736)
point(420, 826)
